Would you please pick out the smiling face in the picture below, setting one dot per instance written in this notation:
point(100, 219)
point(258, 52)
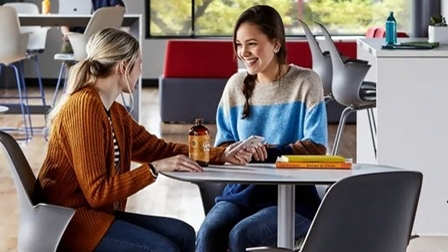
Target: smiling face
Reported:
point(255, 49)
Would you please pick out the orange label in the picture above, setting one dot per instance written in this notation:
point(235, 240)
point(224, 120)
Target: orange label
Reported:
point(199, 148)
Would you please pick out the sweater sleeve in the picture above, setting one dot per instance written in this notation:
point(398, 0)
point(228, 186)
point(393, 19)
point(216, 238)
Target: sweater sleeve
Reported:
point(225, 133)
point(96, 4)
point(315, 136)
point(116, 2)
point(147, 147)
point(87, 132)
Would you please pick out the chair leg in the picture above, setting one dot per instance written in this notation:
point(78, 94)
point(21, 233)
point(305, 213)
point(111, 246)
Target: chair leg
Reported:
point(345, 113)
point(39, 79)
point(23, 103)
point(372, 125)
point(61, 76)
point(22, 80)
point(21, 70)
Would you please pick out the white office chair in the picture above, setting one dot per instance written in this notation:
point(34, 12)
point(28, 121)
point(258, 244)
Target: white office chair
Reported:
point(12, 52)
point(36, 42)
point(41, 225)
point(102, 18)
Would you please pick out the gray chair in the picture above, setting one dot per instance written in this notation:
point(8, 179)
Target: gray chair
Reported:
point(321, 61)
point(350, 89)
point(322, 65)
point(209, 191)
point(369, 213)
point(41, 225)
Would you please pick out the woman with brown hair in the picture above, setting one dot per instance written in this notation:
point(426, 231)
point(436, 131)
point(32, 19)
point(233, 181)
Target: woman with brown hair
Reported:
point(284, 104)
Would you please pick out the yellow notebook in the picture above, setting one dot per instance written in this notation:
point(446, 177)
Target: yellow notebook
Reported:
point(312, 165)
point(312, 158)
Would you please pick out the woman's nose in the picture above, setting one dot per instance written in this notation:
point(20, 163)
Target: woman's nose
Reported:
point(244, 51)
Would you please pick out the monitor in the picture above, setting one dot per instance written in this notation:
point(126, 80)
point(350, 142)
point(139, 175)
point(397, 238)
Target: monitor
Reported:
point(80, 7)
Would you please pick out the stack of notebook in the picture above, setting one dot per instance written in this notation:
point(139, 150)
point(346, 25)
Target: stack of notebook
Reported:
point(417, 45)
point(313, 162)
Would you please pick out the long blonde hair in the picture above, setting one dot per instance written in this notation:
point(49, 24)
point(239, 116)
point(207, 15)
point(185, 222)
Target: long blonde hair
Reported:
point(105, 50)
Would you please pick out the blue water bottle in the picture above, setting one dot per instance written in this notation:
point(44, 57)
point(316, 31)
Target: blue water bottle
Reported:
point(391, 29)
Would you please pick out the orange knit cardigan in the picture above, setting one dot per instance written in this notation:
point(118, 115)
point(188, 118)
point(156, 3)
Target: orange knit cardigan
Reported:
point(79, 171)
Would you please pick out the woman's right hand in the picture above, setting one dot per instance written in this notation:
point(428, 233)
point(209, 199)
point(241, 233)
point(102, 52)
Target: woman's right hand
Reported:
point(235, 154)
point(176, 163)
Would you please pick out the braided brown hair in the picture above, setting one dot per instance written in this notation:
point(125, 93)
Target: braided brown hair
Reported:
point(270, 23)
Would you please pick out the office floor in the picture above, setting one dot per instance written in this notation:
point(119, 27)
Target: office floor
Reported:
point(166, 197)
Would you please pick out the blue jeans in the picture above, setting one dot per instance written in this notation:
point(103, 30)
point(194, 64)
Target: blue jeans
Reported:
point(228, 226)
point(135, 232)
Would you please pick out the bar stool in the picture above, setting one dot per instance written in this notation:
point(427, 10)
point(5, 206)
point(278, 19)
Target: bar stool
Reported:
point(36, 42)
point(102, 18)
point(12, 54)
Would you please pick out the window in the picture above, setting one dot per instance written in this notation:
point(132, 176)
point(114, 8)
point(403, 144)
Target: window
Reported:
point(216, 17)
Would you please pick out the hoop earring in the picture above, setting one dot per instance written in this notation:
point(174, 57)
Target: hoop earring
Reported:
point(276, 50)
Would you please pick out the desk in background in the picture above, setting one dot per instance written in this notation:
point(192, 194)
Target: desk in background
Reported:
point(133, 22)
point(412, 122)
point(267, 174)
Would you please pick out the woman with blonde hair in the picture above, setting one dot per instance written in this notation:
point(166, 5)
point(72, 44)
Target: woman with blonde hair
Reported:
point(93, 140)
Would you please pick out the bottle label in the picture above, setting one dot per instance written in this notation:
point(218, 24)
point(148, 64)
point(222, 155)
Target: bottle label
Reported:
point(199, 148)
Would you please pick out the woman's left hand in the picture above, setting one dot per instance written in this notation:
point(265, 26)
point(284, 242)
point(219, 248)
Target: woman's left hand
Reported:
point(260, 153)
point(241, 157)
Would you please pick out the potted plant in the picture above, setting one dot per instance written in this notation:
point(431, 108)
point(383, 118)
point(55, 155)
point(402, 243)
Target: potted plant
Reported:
point(438, 30)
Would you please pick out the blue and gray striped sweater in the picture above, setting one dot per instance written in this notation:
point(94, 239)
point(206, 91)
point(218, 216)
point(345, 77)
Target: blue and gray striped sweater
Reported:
point(282, 112)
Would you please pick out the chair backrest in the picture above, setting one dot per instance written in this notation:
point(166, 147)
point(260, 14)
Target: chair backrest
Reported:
point(41, 225)
point(38, 36)
point(371, 32)
point(347, 75)
point(381, 33)
point(321, 61)
point(26, 8)
point(106, 17)
point(368, 213)
point(216, 60)
point(13, 43)
point(299, 53)
point(22, 174)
